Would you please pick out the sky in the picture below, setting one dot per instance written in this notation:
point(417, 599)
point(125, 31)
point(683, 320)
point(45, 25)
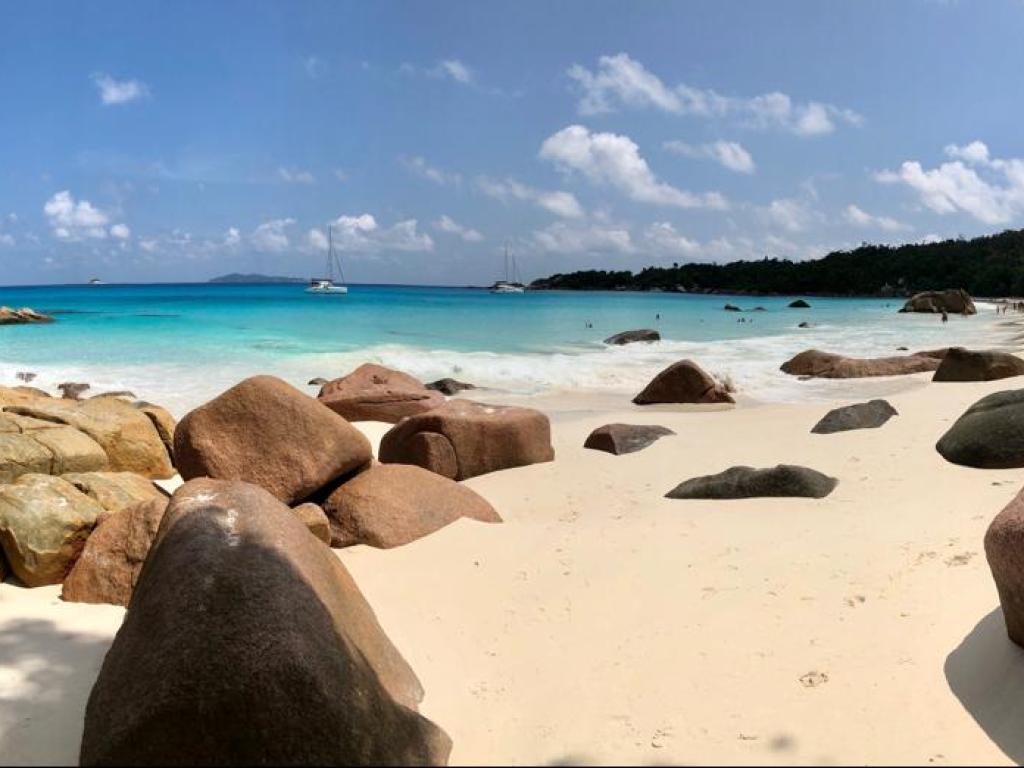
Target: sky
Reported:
point(175, 141)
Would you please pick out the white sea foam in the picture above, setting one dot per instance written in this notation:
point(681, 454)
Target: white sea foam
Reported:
point(751, 364)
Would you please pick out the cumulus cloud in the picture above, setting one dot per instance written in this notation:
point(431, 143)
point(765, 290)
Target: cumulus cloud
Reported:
point(621, 81)
point(861, 218)
point(452, 227)
point(558, 202)
point(271, 237)
point(729, 154)
point(73, 220)
point(362, 234)
point(420, 167)
point(663, 239)
point(565, 238)
point(608, 159)
point(788, 213)
point(232, 237)
point(989, 189)
point(7, 239)
point(118, 91)
point(295, 176)
point(454, 69)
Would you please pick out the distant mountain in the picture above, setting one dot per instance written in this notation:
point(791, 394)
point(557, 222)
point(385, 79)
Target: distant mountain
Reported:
point(236, 277)
point(992, 265)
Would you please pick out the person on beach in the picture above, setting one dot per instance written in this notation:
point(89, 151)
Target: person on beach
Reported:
point(945, 317)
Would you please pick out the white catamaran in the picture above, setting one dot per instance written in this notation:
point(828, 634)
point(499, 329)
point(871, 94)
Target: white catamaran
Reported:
point(509, 285)
point(326, 285)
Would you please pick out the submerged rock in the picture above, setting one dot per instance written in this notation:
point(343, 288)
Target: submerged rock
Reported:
point(9, 316)
point(683, 382)
point(989, 434)
point(959, 364)
point(784, 480)
point(869, 415)
point(265, 431)
point(731, 308)
point(618, 439)
point(393, 504)
point(375, 393)
point(464, 439)
point(247, 642)
point(631, 337)
point(798, 304)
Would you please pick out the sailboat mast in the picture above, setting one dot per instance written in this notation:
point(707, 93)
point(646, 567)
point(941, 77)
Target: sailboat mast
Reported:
point(330, 252)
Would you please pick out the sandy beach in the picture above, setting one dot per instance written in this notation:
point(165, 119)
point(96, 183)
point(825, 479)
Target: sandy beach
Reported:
point(603, 623)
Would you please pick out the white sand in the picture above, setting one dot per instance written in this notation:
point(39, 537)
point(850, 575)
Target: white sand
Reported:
point(604, 623)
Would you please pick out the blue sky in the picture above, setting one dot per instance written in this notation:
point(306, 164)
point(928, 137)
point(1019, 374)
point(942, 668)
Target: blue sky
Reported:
point(177, 141)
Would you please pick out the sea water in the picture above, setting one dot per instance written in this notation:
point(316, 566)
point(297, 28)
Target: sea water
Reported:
point(181, 344)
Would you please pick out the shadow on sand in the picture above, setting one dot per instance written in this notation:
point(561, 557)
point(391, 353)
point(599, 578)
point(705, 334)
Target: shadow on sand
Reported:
point(48, 675)
point(986, 673)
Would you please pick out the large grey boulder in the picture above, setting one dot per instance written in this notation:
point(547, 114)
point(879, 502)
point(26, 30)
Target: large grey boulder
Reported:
point(618, 439)
point(989, 434)
point(247, 642)
point(954, 302)
point(746, 483)
point(869, 415)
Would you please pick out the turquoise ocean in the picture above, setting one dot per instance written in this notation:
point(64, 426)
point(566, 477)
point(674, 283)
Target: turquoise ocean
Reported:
point(181, 344)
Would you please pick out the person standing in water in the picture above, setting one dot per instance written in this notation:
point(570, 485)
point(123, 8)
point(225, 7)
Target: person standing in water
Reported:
point(945, 317)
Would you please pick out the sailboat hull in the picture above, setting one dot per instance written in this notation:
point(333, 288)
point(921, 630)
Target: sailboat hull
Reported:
point(328, 290)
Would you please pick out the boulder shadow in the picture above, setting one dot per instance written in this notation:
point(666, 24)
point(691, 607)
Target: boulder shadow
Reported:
point(49, 673)
point(986, 673)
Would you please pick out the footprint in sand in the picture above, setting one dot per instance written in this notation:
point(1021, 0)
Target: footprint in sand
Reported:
point(962, 559)
point(856, 600)
point(813, 679)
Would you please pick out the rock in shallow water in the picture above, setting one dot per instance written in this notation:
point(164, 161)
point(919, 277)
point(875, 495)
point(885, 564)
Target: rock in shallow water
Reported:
point(247, 642)
point(631, 337)
point(393, 504)
point(989, 435)
point(618, 439)
point(784, 480)
point(959, 364)
point(869, 415)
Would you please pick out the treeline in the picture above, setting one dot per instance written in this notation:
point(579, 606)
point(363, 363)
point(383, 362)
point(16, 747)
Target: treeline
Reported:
point(984, 266)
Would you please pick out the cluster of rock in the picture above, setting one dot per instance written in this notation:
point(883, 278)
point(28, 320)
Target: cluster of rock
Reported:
point(9, 316)
point(957, 302)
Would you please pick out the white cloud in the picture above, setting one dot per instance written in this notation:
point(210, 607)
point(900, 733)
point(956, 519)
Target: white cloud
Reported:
point(452, 227)
point(6, 239)
point(423, 169)
point(663, 239)
point(149, 246)
point(313, 66)
point(558, 202)
point(119, 91)
point(270, 236)
point(620, 80)
point(232, 237)
point(563, 238)
point(120, 232)
point(989, 189)
point(862, 218)
point(608, 159)
point(729, 154)
point(340, 174)
point(454, 69)
point(74, 220)
point(788, 213)
point(295, 176)
point(362, 234)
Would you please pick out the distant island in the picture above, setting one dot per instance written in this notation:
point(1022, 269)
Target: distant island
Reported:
point(236, 277)
point(992, 265)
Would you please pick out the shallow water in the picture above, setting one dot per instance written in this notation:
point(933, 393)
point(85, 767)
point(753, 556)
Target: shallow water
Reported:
point(180, 344)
